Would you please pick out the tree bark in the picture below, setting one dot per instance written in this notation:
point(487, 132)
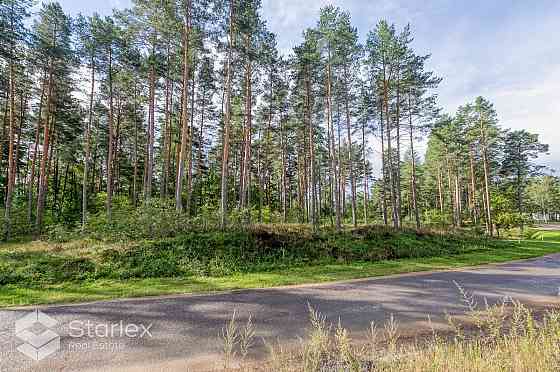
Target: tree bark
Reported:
point(452, 199)
point(87, 149)
point(413, 161)
point(350, 161)
point(42, 186)
point(284, 186)
point(394, 206)
point(199, 163)
point(440, 188)
point(246, 158)
point(336, 195)
point(184, 110)
point(311, 129)
point(365, 172)
point(167, 129)
point(383, 166)
point(190, 144)
point(110, 141)
point(151, 132)
point(227, 119)
point(489, 225)
point(474, 203)
point(398, 150)
point(11, 160)
point(135, 166)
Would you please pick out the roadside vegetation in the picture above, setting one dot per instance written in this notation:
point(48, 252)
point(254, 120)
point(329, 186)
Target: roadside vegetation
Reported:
point(495, 338)
point(33, 272)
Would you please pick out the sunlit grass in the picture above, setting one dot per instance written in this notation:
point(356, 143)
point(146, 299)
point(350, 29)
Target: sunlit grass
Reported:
point(101, 289)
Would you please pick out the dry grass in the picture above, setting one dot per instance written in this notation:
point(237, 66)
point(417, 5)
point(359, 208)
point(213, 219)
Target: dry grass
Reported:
point(508, 338)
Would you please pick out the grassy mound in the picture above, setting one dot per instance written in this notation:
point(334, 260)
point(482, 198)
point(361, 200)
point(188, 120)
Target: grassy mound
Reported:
point(223, 253)
point(44, 272)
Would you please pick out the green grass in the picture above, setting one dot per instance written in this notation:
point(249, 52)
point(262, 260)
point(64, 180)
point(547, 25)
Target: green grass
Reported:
point(48, 288)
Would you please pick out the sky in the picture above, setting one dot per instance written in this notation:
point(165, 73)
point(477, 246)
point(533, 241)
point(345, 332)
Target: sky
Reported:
point(505, 50)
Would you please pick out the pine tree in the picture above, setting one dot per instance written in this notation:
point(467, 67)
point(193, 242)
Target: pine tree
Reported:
point(13, 15)
point(520, 149)
point(227, 115)
point(89, 39)
point(52, 44)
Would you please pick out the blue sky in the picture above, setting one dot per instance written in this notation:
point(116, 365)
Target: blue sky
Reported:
point(505, 50)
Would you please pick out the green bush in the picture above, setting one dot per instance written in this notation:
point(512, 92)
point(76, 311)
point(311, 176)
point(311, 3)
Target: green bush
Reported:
point(221, 253)
point(59, 233)
point(507, 220)
point(43, 267)
point(153, 219)
point(436, 218)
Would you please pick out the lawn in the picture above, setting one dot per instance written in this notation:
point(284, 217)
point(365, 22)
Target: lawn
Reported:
point(46, 283)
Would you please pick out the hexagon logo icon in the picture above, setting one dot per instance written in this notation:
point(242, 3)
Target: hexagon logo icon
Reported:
point(37, 346)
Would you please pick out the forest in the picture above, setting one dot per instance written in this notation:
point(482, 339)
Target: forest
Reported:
point(175, 148)
point(178, 115)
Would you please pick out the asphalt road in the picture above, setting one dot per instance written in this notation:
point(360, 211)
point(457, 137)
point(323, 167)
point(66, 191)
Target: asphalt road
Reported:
point(183, 332)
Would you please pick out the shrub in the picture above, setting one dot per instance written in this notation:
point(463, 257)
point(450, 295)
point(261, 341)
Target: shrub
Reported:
point(154, 219)
point(507, 220)
point(220, 253)
point(60, 233)
point(434, 217)
point(43, 268)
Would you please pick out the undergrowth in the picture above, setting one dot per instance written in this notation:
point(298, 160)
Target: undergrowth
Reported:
point(221, 253)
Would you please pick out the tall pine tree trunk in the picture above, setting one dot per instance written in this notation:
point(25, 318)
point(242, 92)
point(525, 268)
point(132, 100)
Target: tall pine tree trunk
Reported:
point(227, 119)
point(398, 152)
point(199, 163)
point(313, 212)
point(458, 201)
point(335, 186)
point(11, 155)
point(350, 161)
point(365, 172)
point(190, 144)
point(390, 156)
point(184, 110)
point(413, 175)
point(383, 165)
point(87, 145)
point(110, 141)
point(484, 144)
point(167, 129)
point(135, 166)
point(151, 131)
point(440, 188)
point(246, 155)
point(284, 176)
point(42, 184)
point(4, 124)
point(489, 224)
point(474, 202)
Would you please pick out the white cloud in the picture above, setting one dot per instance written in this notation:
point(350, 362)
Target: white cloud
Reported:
point(506, 51)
